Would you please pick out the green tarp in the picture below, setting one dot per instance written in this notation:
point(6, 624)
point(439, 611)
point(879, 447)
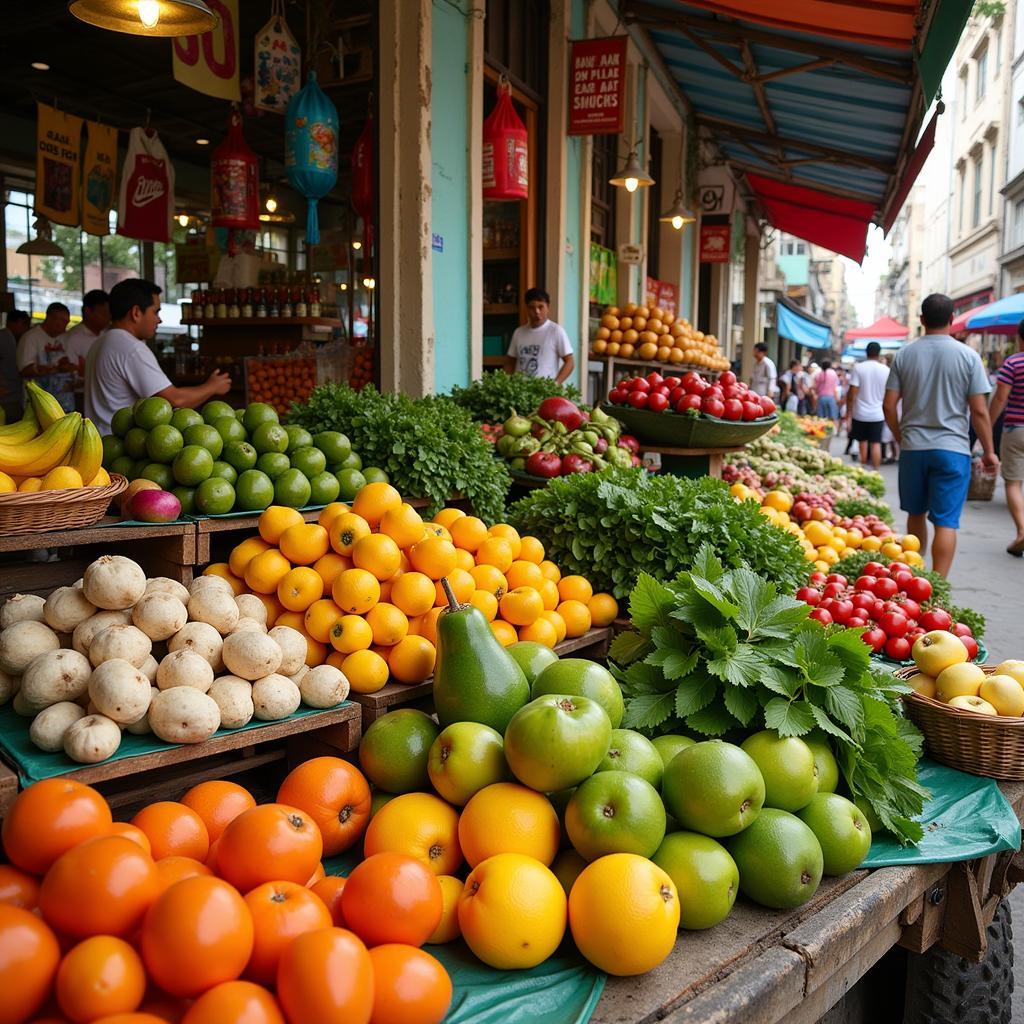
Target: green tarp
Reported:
point(944, 33)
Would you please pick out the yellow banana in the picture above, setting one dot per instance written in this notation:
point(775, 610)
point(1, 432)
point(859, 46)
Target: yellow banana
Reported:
point(47, 409)
point(38, 456)
point(87, 454)
point(21, 430)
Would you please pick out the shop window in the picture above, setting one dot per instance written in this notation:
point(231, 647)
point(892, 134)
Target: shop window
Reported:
point(961, 203)
point(1018, 222)
point(981, 82)
point(991, 178)
point(515, 38)
point(976, 197)
point(654, 208)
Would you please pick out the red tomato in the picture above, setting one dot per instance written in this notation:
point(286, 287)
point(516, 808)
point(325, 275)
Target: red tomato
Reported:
point(894, 624)
point(809, 595)
point(837, 577)
point(873, 569)
point(752, 411)
point(654, 378)
point(639, 384)
point(972, 647)
point(733, 409)
point(961, 629)
point(910, 608)
point(913, 634)
point(833, 589)
point(713, 391)
point(727, 377)
point(688, 401)
point(821, 615)
point(617, 396)
point(865, 584)
point(856, 622)
point(818, 578)
point(712, 406)
point(657, 402)
point(638, 399)
point(919, 588)
point(897, 648)
point(729, 391)
point(673, 382)
point(885, 589)
point(935, 618)
point(841, 611)
point(675, 394)
point(903, 578)
point(767, 405)
point(875, 638)
point(693, 384)
point(895, 567)
point(863, 601)
point(877, 609)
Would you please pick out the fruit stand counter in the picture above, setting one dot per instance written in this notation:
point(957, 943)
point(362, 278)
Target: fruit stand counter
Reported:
point(794, 966)
point(690, 462)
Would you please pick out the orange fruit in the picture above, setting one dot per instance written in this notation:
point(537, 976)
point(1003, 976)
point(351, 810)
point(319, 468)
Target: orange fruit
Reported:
point(316, 651)
point(234, 1002)
point(242, 554)
point(266, 571)
point(510, 534)
point(99, 977)
point(604, 610)
point(329, 566)
point(462, 584)
point(390, 897)
point(366, 671)
point(136, 835)
point(433, 556)
point(426, 627)
point(351, 633)
point(521, 606)
point(496, 551)
point(409, 986)
point(448, 927)
point(356, 591)
point(304, 543)
point(512, 912)
point(326, 975)
point(412, 659)
point(464, 559)
point(418, 825)
point(374, 500)
point(550, 570)
point(174, 868)
point(388, 624)
point(508, 818)
point(275, 519)
point(548, 591)
point(335, 794)
point(489, 578)
point(29, 957)
point(173, 830)
point(320, 618)
point(223, 570)
point(403, 525)
point(330, 512)
point(377, 554)
point(468, 532)
point(486, 602)
point(316, 876)
point(299, 588)
point(273, 606)
point(524, 574)
point(18, 888)
point(437, 530)
point(271, 842)
point(336, 659)
point(293, 620)
point(280, 912)
point(531, 550)
point(414, 593)
point(505, 633)
point(540, 631)
point(575, 588)
point(329, 889)
point(345, 530)
point(447, 516)
point(558, 622)
point(577, 617)
point(218, 803)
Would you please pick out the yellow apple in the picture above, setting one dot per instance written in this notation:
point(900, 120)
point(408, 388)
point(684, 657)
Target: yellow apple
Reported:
point(924, 685)
point(936, 651)
point(963, 680)
point(1011, 668)
point(975, 704)
point(1004, 693)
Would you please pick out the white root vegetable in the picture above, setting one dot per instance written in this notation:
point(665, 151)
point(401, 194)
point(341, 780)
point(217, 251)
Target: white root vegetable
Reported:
point(275, 697)
point(202, 638)
point(114, 582)
point(297, 677)
point(125, 643)
point(120, 691)
point(9, 686)
point(85, 631)
point(149, 669)
point(91, 739)
point(251, 655)
point(159, 615)
point(293, 649)
point(142, 727)
point(21, 707)
point(165, 585)
point(54, 677)
point(234, 698)
point(215, 606)
point(184, 668)
point(250, 606)
point(245, 624)
point(210, 580)
point(23, 642)
point(323, 686)
point(66, 608)
point(49, 726)
point(184, 714)
point(21, 608)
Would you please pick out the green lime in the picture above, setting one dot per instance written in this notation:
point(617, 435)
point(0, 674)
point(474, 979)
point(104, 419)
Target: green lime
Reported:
point(122, 422)
point(269, 437)
point(159, 474)
point(323, 488)
point(395, 750)
point(336, 446)
point(207, 437)
point(192, 465)
point(254, 491)
point(258, 413)
point(113, 448)
point(224, 471)
point(187, 497)
point(164, 442)
point(185, 418)
point(273, 464)
point(153, 411)
point(308, 461)
point(135, 442)
point(373, 475)
point(240, 455)
point(229, 429)
point(350, 482)
point(298, 437)
point(215, 497)
point(292, 489)
point(212, 410)
point(138, 466)
point(705, 875)
point(350, 461)
point(787, 766)
point(123, 464)
point(238, 414)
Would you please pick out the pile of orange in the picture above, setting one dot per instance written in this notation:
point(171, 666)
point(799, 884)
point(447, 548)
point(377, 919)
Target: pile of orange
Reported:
point(363, 584)
point(279, 382)
point(213, 910)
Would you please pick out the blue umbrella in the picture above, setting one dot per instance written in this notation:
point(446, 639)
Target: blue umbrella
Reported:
point(1001, 317)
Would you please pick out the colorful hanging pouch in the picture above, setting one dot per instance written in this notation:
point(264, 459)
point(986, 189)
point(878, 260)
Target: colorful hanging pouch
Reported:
point(278, 63)
point(311, 149)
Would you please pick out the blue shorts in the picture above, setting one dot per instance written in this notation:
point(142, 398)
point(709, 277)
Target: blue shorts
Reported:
point(936, 482)
point(827, 408)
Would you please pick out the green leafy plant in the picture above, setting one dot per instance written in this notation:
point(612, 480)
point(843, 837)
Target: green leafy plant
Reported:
point(863, 507)
point(720, 652)
point(613, 526)
point(429, 447)
point(496, 396)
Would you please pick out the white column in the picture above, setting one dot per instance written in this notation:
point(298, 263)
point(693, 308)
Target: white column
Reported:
point(751, 304)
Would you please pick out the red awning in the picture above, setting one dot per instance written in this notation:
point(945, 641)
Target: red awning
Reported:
point(831, 221)
point(959, 324)
point(910, 172)
point(885, 327)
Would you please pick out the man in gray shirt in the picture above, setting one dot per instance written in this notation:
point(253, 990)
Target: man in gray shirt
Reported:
point(940, 382)
point(18, 322)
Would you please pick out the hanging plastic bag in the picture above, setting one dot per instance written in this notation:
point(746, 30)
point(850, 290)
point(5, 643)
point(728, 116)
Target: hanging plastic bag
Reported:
point(506, 164)
point(311, 149)
point(234, 181)
point(364, 192)
point(278, 63)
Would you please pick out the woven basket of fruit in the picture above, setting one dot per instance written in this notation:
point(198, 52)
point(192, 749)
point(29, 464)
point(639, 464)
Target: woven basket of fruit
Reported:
point(968, 732)
point(62, 509)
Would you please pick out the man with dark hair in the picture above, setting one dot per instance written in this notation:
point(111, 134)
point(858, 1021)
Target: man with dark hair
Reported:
point(1009, 397)
point(121, 368)
point(41, 355)
point(864, 417)
point(764, 377)
point(95, 320)
point(18, 322)
point(939, 382)
point(540, 348)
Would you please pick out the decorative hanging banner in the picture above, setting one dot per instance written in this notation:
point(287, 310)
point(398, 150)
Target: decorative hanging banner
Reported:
point(146, 201)
point(209, 63)
point(99, 173)
point(714, 243)
point(234, 182)
point(58, 167)
point(311, 149)
point(278, 63)
point(597, 86)
point(506, 163)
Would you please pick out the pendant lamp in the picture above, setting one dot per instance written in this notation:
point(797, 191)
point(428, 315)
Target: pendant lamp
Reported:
point(43, 244)
point(147, 17)
point(632, 174)
point(678, 214)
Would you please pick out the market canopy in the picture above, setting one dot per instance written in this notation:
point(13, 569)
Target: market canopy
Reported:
point(799, 326)
point(1000, 317)
point(883, 327)
point(825, 97)
point(959, 324)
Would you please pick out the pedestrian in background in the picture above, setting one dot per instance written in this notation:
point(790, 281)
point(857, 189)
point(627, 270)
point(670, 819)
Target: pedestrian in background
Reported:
point(864, 416)
point(825, 386)
point(1008, 401)
point(790, 391)
point(18, 322)
point(764, 378)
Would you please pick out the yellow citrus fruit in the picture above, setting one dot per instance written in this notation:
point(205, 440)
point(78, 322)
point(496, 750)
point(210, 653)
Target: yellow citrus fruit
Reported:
point(892, 550)
point(557, 621)
point(304, 543)
point(871, 543)
point(447, 516)
point(426, 625)
point(489, 578)
point(550, 570)
point(913, 558)
point(101, 479)
point(266, 571)
point(624, 914)
point(828, 555)
point(524, 574)
point(320, 618)
point(378, 554)
point(274, 608)
point(389, 624)
point(413, 592)
point(433, 556)
point(366, 671)
point(604, 609)
point(464, 559)
point(512, 912)
point(508, 818)
point(531, 550)
point(437, 530)
point(540, 631)
point(447, 929)
point(468, 532)
point(329, 566)
point(403, 525)
point(575, 588)
point(496, 551)
point(412, 659)
point(421, 826)
point(62, 477)
point(356, 591)
point(275, 519)
point(351, 633)
point(505, 633)
point(242, 554)
point(521, 606)
point(910, 543)
point(373, 500)
point(510, 534)
point(781, 501)
point(548, 591)
point(346, 528)
point(463, 586)
point(817, 533)
point(299, 588)
point(577, 617)
point(331, 512)
point(30, 484)
point(486, 602)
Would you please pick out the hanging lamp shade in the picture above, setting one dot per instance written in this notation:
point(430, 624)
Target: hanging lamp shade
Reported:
point(311, 149)
point(146, 17)
point(43, 244)
point(632, 174)
point(678, 214)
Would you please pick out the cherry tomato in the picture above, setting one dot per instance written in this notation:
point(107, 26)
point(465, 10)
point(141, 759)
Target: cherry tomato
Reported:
point(897, 648)
point(865, 584)
point(821, 615)
point(919, 588)
point(935, 618)
point(885, 589)
point(972, 647)
point(657, 402)
point(875, 638)
point(961, 629)
point(809, 595)
point(893, 623)
point(638, 399)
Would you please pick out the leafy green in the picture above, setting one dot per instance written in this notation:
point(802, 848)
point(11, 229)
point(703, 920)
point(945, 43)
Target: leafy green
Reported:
point(429, 447)
point(863, 507)
point(495, 396)
point(616, 525)
point(719, 651)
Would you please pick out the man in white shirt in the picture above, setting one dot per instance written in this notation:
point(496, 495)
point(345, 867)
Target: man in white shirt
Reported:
point(41, 356)
point(764, 377)
point(95, 320)
point(121, 368)
point(540, 348)
point(864, 417)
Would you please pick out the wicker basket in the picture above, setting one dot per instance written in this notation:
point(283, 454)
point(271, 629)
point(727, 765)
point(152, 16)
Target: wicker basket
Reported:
point(65, 509)
point(978, 744)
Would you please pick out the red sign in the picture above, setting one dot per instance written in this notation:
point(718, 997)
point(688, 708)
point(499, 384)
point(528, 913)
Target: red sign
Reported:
point(661, 294)
point(597, 86)
point(714, 243)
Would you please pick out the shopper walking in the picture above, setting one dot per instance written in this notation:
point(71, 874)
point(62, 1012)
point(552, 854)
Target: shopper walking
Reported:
point(825, 386)
point(1008, 400)
point(790, 390)
point(941, 384)
point(764, 378)
point(864, 416)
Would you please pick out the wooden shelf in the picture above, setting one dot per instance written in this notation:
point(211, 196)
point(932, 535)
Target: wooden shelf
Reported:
point(496, 361)
point(500, 308)
point(500, 255)
point(265, 321)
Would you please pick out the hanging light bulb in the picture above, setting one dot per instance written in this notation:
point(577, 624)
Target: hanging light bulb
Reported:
point(271, 203)
point(149, 13)
point(678, 214)
point(183, 219)
point(632, 174)
point(147, 17)
point(357, 245)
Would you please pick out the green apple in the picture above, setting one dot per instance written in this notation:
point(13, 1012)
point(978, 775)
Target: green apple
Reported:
point(466, 757)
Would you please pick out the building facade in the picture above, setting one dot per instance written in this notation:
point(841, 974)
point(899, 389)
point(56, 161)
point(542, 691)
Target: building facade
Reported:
point(1012, 256)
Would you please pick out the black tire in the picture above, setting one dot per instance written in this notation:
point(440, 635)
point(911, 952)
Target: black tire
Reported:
point(943, 988)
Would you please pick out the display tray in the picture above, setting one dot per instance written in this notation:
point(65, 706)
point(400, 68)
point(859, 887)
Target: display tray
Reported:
point(681, 431)
point(980, 658)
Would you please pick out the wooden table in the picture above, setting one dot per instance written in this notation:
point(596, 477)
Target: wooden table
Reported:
point(691, 462)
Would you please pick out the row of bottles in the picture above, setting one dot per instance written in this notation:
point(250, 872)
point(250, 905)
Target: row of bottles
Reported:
point(232, 303)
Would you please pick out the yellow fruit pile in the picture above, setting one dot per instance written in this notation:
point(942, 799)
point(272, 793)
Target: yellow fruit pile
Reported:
point(639, 332)
point(363, 584)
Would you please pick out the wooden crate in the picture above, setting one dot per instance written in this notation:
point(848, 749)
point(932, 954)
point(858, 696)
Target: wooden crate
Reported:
point(592, 644)
point(133, 782)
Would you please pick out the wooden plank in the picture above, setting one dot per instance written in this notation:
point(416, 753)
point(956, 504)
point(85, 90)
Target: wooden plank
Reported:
point(8, 788)
point(663, 450)
point(100, 533)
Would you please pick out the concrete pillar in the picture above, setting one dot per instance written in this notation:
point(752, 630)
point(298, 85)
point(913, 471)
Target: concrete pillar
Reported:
point(751, 305)
point(406, 327)
point(672, 243)
point(475, 189)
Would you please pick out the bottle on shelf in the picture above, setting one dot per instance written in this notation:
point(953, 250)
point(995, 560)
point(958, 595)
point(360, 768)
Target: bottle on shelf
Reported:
point(273, 303)
point(261, 303)
point(300, 302)
point(209, 309)
point(314, 302)
point(197, 305)
point(234, 310)
point(247, 308)
point(220, 305)
point(285, 301)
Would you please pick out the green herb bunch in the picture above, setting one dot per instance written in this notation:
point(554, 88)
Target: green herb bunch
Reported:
point(719, 652)
point(863, 507)
point(496, 396)
point(429, 447)
point(615, 525)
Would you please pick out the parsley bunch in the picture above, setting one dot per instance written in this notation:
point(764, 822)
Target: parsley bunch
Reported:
point(496, 396)
point(720, 651)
